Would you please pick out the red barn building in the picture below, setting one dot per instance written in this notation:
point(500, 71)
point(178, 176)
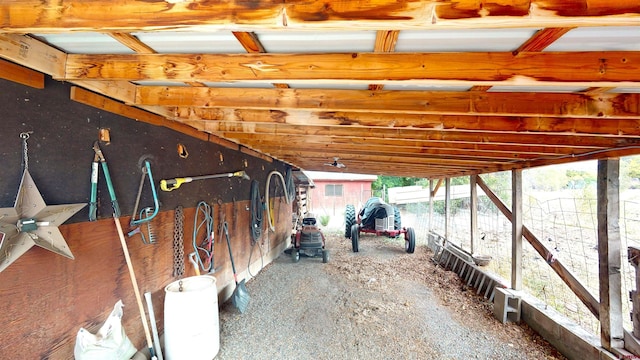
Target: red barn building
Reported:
point(333, 191)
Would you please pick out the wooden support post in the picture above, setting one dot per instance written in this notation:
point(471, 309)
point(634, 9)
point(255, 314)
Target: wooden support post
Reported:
point(611, 326)
point(473, 206)
point(634, 258)
point(516, 229)
point(431, 195)
point(447, 208)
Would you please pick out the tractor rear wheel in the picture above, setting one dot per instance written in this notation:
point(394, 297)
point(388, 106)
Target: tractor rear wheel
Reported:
point(355, 234)
point(410, 241)
point(349, 220)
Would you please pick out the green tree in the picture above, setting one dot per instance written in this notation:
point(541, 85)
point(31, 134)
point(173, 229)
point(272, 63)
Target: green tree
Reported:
point(384, 181)
point(633, 167)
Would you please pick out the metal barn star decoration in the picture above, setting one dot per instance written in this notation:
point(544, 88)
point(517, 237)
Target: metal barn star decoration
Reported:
point(32, 222)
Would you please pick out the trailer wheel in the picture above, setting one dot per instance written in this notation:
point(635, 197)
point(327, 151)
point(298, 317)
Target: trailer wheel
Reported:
point(295, 255)
point(325, 256)
point(410, 241)
point(355, 234)
point(349, 220)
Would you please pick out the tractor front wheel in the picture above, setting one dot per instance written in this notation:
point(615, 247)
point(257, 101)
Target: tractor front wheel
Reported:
point(410, 241)
point(355, 234)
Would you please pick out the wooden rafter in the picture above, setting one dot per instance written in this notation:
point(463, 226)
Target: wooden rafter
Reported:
point(617, 68)
point(77, 15)
point(538, 42)
point(132, 43)
point(541, 40)
point(445, 123)
point(251, 43)
point(385, 42)
point(558, 140)
point(603, 105)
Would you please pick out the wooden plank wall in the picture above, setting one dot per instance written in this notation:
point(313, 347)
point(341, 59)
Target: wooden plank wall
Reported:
point(46, 298)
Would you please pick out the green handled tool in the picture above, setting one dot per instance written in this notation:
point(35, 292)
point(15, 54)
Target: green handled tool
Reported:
point(172, 184)
point(93, 203)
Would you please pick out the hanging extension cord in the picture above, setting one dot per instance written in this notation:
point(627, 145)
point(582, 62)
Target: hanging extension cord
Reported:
point(266, 194)
point(206, 246)
point(256, 208)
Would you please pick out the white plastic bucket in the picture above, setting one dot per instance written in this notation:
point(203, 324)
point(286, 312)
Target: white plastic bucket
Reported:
point(191, 323)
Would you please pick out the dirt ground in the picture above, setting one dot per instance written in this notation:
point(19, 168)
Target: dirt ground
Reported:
point(379, 303)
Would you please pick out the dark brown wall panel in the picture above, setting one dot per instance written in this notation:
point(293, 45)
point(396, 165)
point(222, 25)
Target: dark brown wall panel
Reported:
point(46, 297)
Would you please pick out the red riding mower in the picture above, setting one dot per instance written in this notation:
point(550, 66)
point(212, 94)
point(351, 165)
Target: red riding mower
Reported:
point(308, 241)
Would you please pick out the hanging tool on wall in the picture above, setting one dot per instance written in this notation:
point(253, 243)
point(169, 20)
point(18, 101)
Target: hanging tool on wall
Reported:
point(172, 184)
point(136, 290)
point(240, 297)
point(148, 213)
point(203, 228)
point(98, 158)
point(178, 242)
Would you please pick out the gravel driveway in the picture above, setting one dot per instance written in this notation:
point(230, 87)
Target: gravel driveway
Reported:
point(379, 303)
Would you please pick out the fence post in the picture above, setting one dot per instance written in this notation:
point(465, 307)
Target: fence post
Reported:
point(609, 259)
point(473, 208)
point(431, 195)
point(516, 229)
point(447, 208)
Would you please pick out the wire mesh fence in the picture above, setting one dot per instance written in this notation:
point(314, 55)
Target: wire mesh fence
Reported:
point(564, 221)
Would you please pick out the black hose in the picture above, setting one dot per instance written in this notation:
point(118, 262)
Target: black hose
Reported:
point(288, 179)
point(256, 212)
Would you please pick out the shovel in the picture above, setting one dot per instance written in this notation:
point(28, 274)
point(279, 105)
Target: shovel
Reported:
point(240, 297)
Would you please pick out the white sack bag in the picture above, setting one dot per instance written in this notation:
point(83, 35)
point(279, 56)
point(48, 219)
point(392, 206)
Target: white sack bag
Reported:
point(109, 343)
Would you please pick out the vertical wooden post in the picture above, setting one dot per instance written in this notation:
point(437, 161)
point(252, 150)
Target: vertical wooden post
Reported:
point(447, 208)
point(516, 229)
point(473, 208)
point(611, 326)
point(431, 195)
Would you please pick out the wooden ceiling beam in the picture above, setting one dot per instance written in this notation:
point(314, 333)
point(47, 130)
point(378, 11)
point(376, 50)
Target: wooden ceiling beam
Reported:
point(498, 124)
point(600, 105)
point(374, 160)
point(33, 54)
point(597, 68)
point(538, 42)
point(251, 43)
point(389, 169)
point(106, 104)
point(569, 140)
point(278, 144)
point(320, 141)
point(21, 75)
point(35, 16)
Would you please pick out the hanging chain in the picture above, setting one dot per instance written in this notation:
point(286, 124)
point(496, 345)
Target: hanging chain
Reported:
point(25, 157)
point(178, 243)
